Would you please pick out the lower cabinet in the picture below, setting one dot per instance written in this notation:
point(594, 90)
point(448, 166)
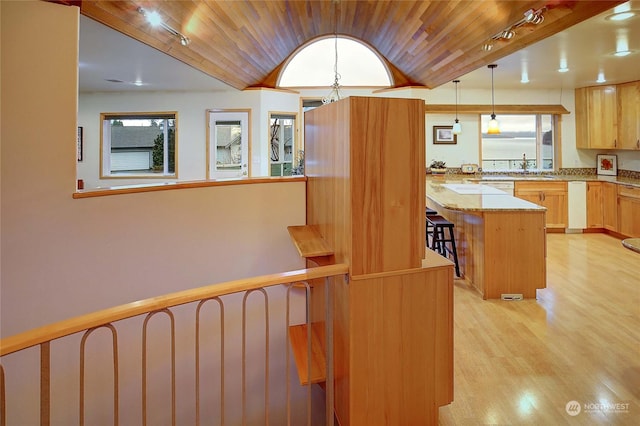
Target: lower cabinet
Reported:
point(552, 195)
point(595, 205)
point(629, 211)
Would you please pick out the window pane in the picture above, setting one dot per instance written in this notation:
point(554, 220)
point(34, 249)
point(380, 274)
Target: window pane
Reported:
point(525, 142)
point(138, 144)
point(228, 145)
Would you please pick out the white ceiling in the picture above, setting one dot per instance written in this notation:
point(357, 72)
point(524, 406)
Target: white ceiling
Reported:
point(588, 48)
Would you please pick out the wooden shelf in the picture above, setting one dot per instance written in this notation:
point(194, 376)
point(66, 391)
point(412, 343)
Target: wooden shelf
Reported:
point(311, 245)
point(298, 337)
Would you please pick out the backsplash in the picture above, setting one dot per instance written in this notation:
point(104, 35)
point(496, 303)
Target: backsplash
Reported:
point(578, 171)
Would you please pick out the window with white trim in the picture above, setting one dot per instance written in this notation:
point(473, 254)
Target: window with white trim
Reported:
point(138, 145)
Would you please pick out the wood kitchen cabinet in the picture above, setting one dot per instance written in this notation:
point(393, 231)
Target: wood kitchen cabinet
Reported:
point(595, 218)
point(552, 195)
point(610, 206)
point(629, 210)
point(596, 117)
point(628, 99)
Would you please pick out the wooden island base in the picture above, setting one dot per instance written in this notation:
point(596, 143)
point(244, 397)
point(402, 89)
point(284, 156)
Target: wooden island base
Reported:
point(501, 251)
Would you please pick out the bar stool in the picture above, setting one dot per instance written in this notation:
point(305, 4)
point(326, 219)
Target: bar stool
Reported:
point(441, 243)
point(429, 228)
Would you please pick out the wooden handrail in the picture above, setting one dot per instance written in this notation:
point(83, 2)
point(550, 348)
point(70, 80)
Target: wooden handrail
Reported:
point(70, 326)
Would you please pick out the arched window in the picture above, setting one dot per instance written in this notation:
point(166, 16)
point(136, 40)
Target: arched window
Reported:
point(313, 65)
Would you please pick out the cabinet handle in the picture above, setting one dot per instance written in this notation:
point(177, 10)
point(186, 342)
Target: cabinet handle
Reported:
point(638, 143)
point(615, 143)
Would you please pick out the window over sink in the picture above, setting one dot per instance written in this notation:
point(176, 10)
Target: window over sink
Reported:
point(526, 142)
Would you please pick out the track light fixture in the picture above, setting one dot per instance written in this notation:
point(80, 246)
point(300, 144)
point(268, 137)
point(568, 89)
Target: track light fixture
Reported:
point(531, 16)
point(155, 19)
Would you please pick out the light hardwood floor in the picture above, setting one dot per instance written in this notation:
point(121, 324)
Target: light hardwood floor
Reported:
point(521, 362)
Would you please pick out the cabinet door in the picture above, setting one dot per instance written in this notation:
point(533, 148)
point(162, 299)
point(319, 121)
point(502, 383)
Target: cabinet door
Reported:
point(628, 115)
point(610, 206)
point(582, 118)
point(595, 217)
point(602, 117)
point(629, 215)
point(629, 210)
point(556, 204)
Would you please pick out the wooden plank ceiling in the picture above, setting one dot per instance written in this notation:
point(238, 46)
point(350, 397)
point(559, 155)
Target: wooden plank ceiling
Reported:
point(245, 43)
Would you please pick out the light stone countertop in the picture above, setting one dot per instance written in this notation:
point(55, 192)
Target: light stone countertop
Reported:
point(453, 195)
point(544, 178)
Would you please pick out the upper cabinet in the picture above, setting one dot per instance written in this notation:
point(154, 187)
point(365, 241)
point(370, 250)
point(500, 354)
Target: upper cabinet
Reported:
point(629, 115)
point(596, 117)
point(608, 117)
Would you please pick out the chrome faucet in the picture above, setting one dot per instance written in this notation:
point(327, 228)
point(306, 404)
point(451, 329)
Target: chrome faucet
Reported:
point(524, 163)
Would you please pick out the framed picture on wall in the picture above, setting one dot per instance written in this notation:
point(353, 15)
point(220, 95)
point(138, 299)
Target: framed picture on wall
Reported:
point(79, 143)
point(607, 164)
point(444, 135)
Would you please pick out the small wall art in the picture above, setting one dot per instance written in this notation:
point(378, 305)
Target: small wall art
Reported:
point(607, 164)
point(79, 143)
point(444, 135)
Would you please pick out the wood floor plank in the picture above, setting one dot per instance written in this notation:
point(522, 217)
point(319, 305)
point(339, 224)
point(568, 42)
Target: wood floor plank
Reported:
point(521, 362)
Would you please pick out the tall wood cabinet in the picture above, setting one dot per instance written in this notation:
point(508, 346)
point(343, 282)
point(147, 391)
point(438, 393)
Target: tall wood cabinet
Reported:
point(596, 117)
point(393, 313)
point(628, 98)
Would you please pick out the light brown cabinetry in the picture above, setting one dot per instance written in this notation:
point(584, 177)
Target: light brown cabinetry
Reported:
point(596, 117)
point(610, 206)
point(552, 195)
point(629, 210)
point(595, 218)
point(628, 99)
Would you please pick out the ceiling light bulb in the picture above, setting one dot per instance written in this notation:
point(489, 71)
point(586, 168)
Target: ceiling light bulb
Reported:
point(487, 47)
point(601, 78)
point(622, 53)
point(154, 18)
point(508, 34)
point(563, 69)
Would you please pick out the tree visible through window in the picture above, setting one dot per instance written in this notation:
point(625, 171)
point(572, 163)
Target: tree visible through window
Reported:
point(139, 145)
point(525, 142)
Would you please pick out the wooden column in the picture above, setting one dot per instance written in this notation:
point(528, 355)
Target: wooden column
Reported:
point(365, 163)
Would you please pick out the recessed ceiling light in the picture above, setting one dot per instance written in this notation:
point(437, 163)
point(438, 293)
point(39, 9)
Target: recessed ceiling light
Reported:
point(621, 16)
point(622, 53)
point(563, 69)
point(601, 78)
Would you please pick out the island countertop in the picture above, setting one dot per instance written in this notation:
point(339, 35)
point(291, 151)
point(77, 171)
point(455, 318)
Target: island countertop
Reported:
point(475, 198)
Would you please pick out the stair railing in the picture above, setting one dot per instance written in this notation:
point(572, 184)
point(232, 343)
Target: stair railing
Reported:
point(262, 300)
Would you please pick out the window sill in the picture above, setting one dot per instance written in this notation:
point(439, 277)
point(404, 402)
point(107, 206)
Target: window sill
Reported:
point(165, 186)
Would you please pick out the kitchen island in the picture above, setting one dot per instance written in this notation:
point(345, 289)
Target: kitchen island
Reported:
point(501, 239)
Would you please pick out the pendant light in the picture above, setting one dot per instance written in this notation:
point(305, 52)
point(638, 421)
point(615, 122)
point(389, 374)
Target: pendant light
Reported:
point(493, 129)
point(335, 94)
point(457, 128)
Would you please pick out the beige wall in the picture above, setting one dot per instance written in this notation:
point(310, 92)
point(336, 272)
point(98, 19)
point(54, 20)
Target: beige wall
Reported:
point(63, 257)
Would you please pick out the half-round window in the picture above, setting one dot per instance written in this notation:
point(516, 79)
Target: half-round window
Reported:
point(313, 65)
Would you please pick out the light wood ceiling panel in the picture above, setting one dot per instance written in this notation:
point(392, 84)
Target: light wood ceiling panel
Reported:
point(428, 43)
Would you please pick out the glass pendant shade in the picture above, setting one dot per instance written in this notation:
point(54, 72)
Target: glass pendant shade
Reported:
point(494, 128)
point(457, 128)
